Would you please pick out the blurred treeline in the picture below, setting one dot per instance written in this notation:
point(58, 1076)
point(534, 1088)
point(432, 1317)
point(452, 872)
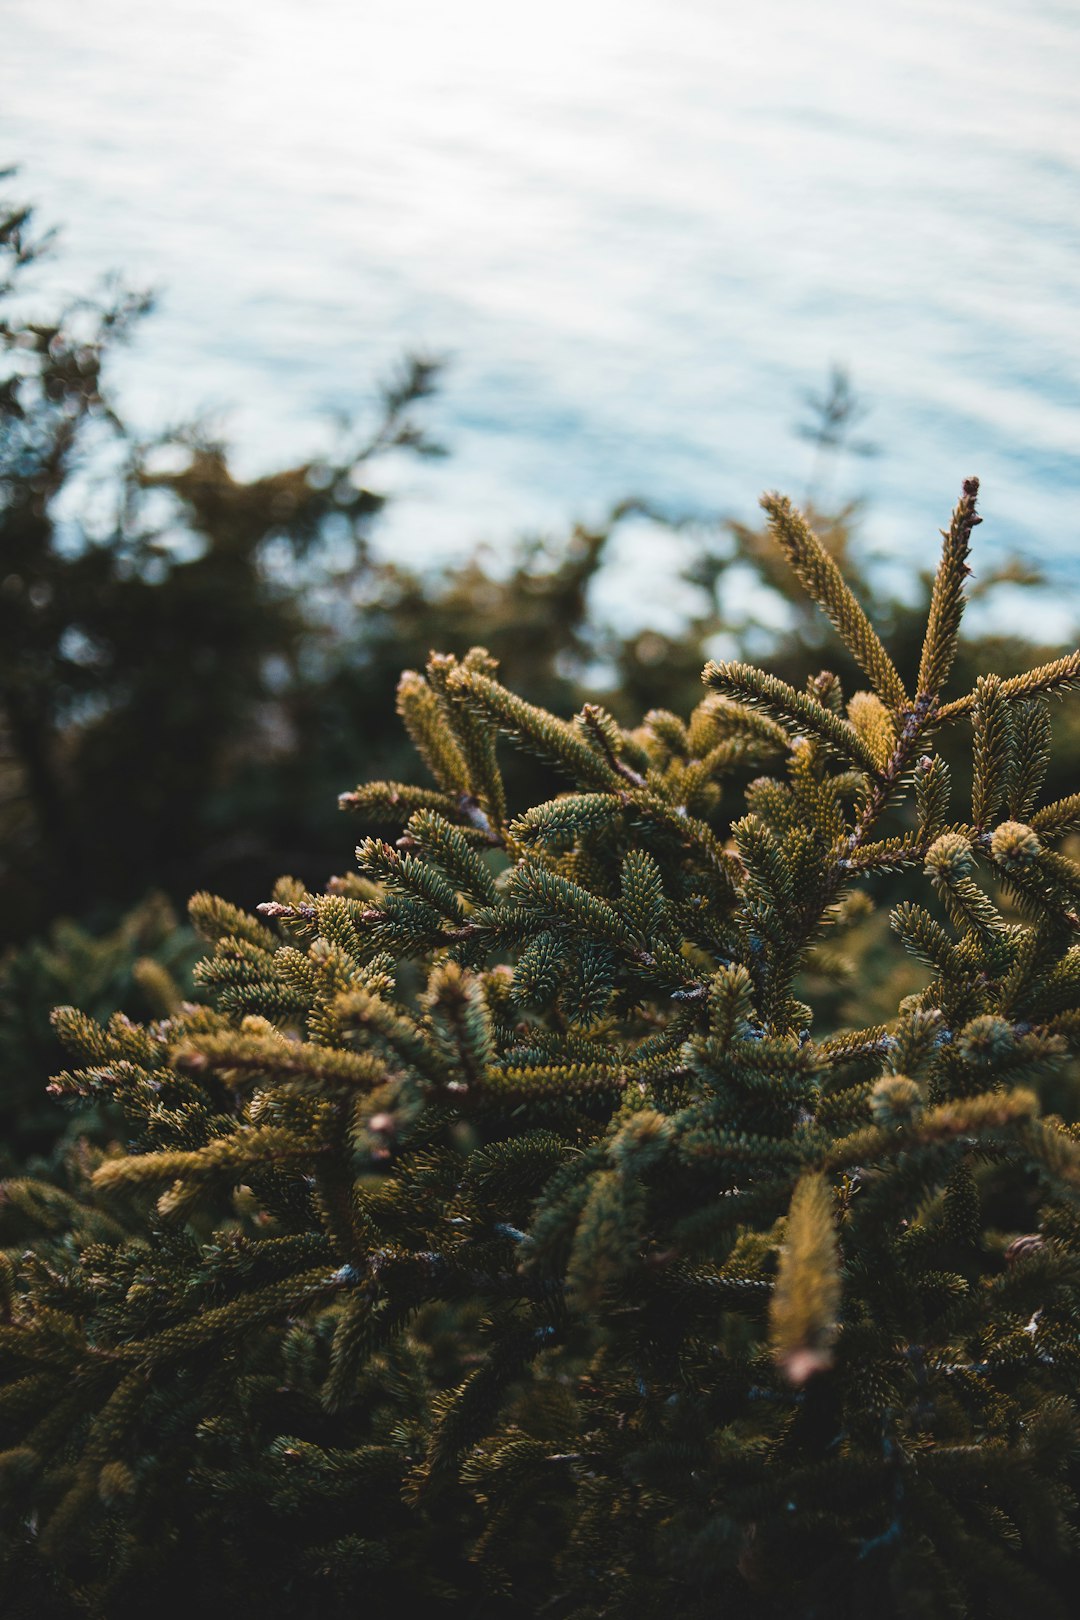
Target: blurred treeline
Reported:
point(192, 666)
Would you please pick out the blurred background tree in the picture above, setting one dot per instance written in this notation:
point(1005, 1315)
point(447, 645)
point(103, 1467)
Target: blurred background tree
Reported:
point(144, 631)
point(191, 665)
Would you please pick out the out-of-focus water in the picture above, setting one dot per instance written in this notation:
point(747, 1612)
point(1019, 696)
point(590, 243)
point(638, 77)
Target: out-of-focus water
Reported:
point(639, 227)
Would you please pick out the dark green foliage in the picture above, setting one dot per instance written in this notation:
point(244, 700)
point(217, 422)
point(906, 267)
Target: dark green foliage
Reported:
point(590, 1209)
point(140, 969)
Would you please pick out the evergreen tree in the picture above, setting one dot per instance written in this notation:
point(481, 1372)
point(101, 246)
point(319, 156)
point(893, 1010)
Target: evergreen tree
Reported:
point(519, 1233)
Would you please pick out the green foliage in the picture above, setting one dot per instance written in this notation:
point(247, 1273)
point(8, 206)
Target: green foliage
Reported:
point(591, 1208)
point(140, 969)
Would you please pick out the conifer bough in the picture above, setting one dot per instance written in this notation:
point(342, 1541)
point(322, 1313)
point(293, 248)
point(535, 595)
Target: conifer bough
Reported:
point(519, 1227)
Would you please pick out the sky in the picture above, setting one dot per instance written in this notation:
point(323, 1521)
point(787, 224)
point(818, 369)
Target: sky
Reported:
point(638, 232)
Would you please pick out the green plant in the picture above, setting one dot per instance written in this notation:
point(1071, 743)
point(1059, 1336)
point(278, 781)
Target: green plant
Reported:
point(141, 968)
point(525, 1232)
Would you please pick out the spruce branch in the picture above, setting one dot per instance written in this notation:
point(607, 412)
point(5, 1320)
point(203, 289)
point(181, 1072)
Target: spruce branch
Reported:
point(948, 862)
point(605, 737)
point(1063, 816)
point(533, 729)
point(1031, 739)
point(823, 581)
point(889, 855)
point(395, 802)
point(875, 725)
point(434, 740)
point(216, 919)
point(925, 938)
point(458, 1012)
point(947, 598)
point(697, 837)
point(1061, 675)
point(554, 898)
point(932, 789)
point(992, 753)
point(407, 874)
point(475, 732)
point(441, 841)
point(755, 689)
point(806, 1300)
point(554, 1082)
point(224, 1323)
point(242, 1058)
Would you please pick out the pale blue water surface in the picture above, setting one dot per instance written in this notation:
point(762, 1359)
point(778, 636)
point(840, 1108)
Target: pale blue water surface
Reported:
point(640, 228)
